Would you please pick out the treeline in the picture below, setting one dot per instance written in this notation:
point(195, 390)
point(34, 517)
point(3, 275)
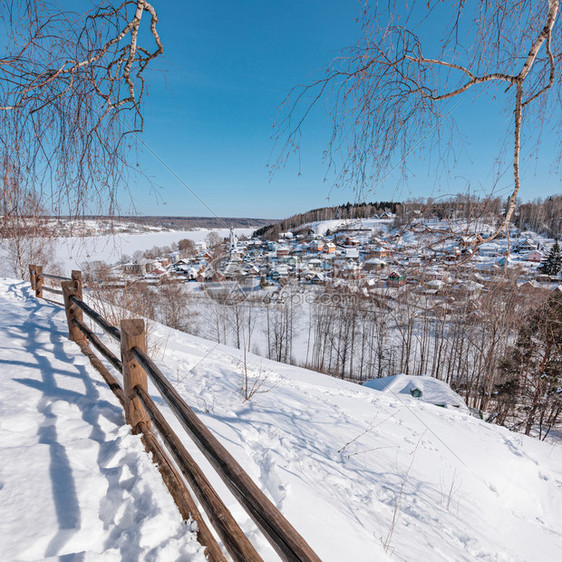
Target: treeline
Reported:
point(188, 223)
point(500, 348)
point(347, 211)
point(544, 217)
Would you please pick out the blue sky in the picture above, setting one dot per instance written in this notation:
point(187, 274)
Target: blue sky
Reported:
point(213, 100)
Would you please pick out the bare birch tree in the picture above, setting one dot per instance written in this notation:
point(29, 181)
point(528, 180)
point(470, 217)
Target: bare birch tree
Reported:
point(390, 96)
point(71, 87)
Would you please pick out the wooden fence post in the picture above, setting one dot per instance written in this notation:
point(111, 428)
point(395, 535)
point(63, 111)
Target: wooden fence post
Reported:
point(39, 281)
point(76, 276)
point(133, 335)
point(73, 288)
point(32, 276)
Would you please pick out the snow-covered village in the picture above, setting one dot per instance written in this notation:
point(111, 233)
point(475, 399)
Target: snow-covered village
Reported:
point(357, 254)
point(280, 281)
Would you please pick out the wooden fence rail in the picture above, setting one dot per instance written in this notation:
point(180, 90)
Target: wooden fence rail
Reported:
point(37, 278)
point(97, 343)
point(280, 533)
point(141, 412)
point(228, 530)
point(97, 318)
point(52, 290)
point(58, 277)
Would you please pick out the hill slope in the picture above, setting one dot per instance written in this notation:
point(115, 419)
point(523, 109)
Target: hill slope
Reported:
point(362, 475)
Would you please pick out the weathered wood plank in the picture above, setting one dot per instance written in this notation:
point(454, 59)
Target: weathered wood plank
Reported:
point(39, 281)
point(72, 288)
point(234, 539)
point(181, 495)
point(280, 533)
point(133, 336)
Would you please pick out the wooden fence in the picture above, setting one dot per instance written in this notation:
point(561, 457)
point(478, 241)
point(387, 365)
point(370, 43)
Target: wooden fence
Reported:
point(183, 473)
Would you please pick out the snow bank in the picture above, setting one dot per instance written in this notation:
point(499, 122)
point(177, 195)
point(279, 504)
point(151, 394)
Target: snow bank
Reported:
point(340, 460)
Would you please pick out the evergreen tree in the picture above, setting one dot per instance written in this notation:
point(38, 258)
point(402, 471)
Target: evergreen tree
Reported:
point(533, 368)
point(553, 262)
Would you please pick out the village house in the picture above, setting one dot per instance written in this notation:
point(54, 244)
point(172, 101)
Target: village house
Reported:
point(379, 252)
point(452, 255)
point(396, 279)
point(467, 287)
point(318, 278)
point(314, 264)
point(528, 245)
point(374, 264)
point(350, 241)
point(490, 250)
point(316, 246)
point(134, 269)
point(534, 256)
point(282, 252)
point(351, 271)
point(173, 257)
point(434, 287)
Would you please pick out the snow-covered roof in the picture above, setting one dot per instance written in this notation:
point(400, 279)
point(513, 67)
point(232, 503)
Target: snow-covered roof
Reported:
point(422, 387)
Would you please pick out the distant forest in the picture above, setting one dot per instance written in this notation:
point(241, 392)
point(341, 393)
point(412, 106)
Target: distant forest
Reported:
point(187, 223)
point(543, 217)
point(347, 211)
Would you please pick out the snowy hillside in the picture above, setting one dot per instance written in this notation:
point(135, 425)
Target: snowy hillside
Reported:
point(362, 475)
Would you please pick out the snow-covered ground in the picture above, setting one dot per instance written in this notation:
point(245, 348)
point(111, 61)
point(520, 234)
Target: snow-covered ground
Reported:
point(322, 227)
point(362, 475)
point(73, 479)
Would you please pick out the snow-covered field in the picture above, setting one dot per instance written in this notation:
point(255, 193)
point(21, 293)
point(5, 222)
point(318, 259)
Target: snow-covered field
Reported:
point(363, 475)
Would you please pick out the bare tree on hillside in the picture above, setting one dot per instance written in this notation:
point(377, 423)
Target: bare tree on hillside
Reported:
point(174, 307)
point(24, 234)
point(391, 96)
point(71, 87)
point(533, 367)
point(187, 247)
